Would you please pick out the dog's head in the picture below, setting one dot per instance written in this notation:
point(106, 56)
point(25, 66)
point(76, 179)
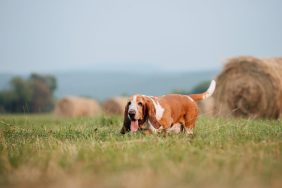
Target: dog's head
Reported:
point(136, 113)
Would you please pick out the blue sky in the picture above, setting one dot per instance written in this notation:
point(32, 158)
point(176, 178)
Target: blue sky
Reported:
point(127, 35)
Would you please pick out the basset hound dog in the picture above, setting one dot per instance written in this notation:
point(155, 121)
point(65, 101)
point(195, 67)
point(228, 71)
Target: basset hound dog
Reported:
point(167, 113)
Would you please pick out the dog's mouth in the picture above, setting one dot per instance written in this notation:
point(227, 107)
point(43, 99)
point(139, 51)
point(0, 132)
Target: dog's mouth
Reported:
point(134, 125)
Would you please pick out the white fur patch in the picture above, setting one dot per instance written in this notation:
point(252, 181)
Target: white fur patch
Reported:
point(190, 98)
point(159, 109)
point(189, 131)
point(210, 90)
point(133, 105)
point(175, 128)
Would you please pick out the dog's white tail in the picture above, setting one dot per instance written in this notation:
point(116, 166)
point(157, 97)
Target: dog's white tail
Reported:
point(208, 93)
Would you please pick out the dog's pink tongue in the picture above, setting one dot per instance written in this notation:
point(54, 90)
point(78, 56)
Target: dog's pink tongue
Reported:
point(134, 126)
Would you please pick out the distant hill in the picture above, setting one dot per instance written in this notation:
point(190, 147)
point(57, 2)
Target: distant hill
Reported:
point(101, 85)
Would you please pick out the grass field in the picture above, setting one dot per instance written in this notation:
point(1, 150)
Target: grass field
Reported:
point(42, 151)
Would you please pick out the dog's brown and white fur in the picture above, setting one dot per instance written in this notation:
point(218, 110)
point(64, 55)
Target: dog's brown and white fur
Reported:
point(167, 113)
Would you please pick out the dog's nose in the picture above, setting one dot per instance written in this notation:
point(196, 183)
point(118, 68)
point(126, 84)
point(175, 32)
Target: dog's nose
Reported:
point(131, 114)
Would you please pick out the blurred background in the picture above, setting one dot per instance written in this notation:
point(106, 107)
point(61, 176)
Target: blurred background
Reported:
point(102, 48)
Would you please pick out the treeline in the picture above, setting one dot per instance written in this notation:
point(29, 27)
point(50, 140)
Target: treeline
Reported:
point(31, 95)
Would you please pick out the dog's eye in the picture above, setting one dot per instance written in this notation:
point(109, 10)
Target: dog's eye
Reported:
point(129, 103)
point(140, 104)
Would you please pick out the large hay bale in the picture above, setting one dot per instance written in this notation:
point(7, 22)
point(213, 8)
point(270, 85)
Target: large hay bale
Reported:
point(250, 87)
point(73, 106)
point(115, 105)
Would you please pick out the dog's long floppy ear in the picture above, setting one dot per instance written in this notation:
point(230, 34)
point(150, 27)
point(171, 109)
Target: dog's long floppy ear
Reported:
point(152, 112)
point(145, 114)
point(126, 121)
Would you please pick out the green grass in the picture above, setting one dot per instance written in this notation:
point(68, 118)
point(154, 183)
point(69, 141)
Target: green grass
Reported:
point(42, 151)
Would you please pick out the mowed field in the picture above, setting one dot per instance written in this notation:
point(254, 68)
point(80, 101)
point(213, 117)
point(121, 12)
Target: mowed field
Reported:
point(44, 151)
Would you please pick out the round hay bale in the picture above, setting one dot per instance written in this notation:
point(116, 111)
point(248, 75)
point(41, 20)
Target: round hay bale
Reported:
point(250, 87)
point(115, 105)
point(73, 106)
